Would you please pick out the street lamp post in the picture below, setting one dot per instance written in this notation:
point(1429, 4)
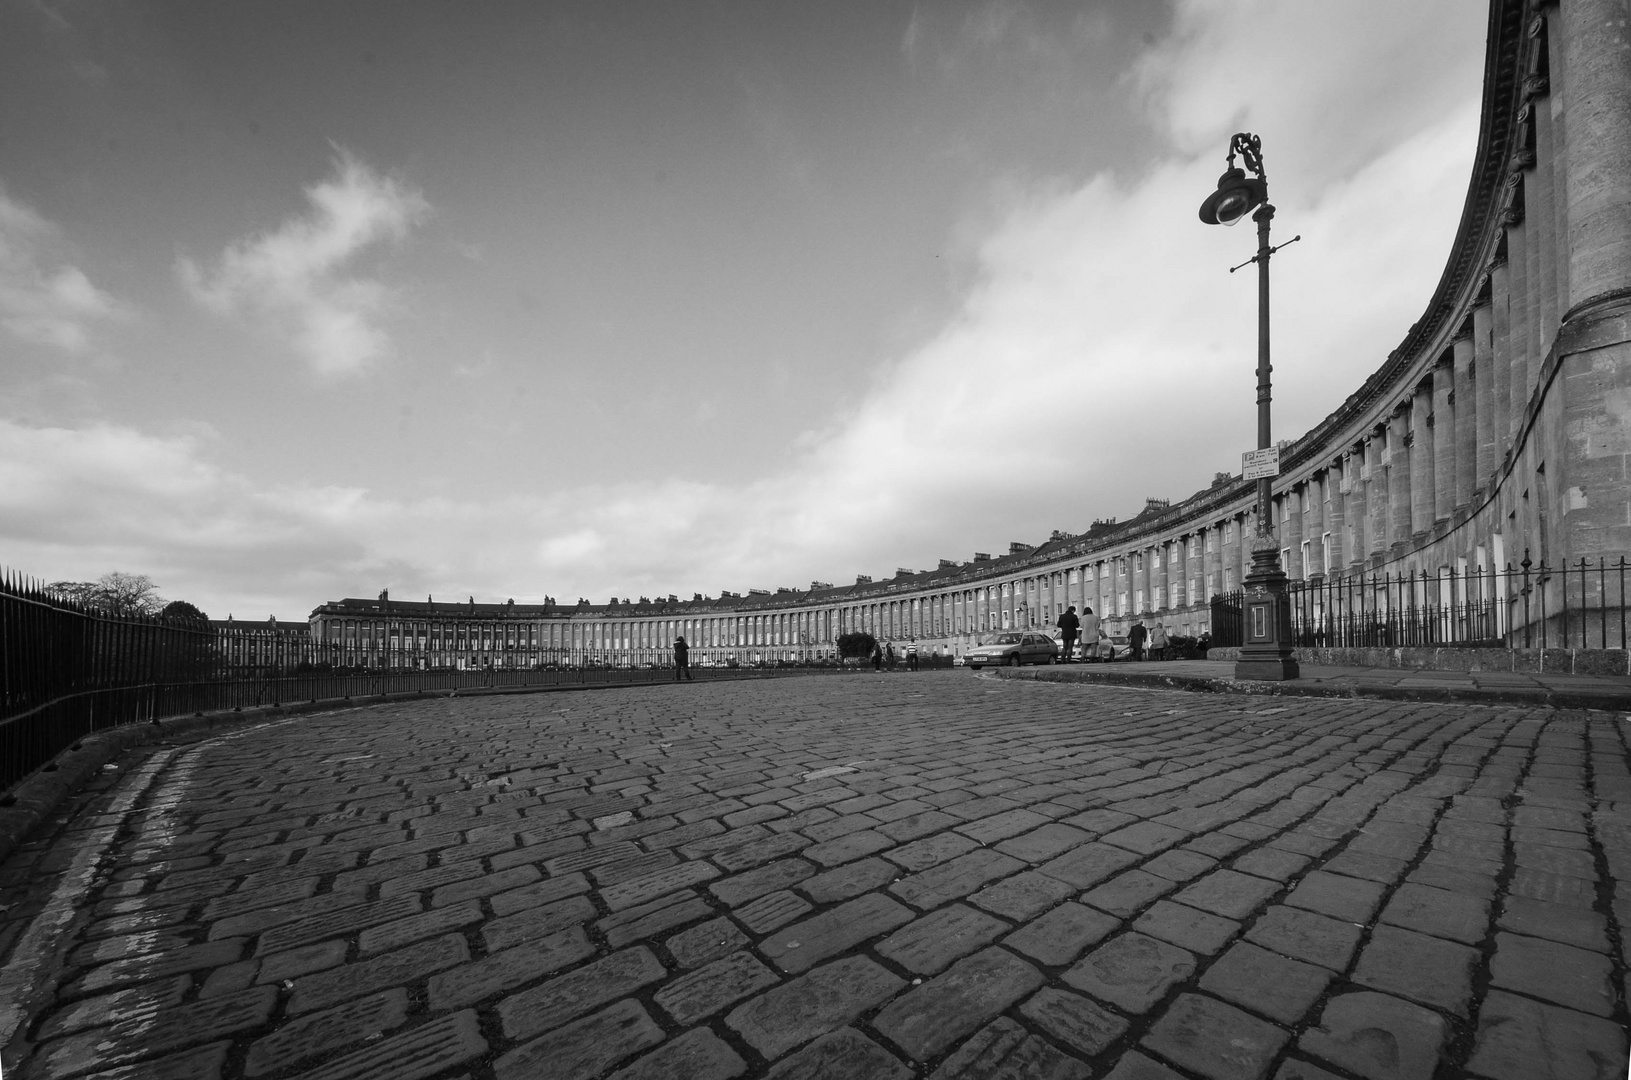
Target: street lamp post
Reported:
point(1265, 650)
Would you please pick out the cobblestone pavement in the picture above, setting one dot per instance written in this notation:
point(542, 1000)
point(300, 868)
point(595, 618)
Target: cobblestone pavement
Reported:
point(886, 876)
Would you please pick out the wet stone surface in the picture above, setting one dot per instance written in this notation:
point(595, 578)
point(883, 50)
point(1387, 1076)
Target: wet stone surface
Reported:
point(931, 875)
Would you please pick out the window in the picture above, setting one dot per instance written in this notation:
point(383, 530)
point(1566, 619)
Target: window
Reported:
point(1211, 540)
point(1228, 532)
point(1228, 578)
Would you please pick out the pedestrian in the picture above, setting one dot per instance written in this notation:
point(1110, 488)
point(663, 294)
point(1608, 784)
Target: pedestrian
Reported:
point(682, 659)
point(1135, 639)
point(889, 655)
point(877, 657)
point(1090, 633)
point(1069, 624)
point(911, 656)
point(1158, 642)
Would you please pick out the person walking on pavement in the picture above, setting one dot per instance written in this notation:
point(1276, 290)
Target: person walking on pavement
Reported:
point(1158, 642)
point(911, 656)
point(1068, 625)
point(889, 655)
point(1135, 639)
point(682, 659)
point(1090, 632)
point(877, 657)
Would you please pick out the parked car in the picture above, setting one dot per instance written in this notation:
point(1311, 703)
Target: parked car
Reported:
point(1107, 648)
point(1014, 648)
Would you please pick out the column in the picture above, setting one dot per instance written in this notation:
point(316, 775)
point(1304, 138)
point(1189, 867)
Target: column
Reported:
point(1315, 496)
point(1378, 523)
point(1543, 218)
point(1340, 517)
point(1518, 300)
point(1557, 72)
point(1502, 348)
point(1292, 537)
point(1483, 396)
point(1596, 114)
point(1463, 410)
point(1445, 494)
point(1159, 600)
point(1420, 440)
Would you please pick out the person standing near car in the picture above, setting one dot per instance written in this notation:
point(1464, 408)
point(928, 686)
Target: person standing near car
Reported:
point(1135, 639)
point(1090, 632)
point(682, 659)
point(1068, 626)
point(1158, 642)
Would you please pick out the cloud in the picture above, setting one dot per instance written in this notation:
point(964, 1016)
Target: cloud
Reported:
point(295, 276)
point(1103, 353)
point(44, 299)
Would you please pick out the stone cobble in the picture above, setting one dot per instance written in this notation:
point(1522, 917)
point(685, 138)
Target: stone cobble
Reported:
point(936, 875)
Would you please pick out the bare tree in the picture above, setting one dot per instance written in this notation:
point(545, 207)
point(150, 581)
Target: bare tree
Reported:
point(116, 593)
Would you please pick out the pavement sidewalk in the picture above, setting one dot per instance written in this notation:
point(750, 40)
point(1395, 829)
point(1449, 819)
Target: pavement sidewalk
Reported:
point(1610, 692)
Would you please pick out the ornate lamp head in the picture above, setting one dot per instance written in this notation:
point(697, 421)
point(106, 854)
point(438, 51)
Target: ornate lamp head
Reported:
point(1238, 194)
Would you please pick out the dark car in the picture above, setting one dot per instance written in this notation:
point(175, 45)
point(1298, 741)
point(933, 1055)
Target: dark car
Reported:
point(1013, 648)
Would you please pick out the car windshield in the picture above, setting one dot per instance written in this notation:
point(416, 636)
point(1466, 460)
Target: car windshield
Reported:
point(1004, 639)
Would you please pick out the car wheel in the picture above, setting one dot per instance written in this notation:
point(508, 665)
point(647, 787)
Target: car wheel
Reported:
point(1013, 659)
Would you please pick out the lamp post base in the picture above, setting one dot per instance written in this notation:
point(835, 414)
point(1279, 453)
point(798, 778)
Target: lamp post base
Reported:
point(1265, 652)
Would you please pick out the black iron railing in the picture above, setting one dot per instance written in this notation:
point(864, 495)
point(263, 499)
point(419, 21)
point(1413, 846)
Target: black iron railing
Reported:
point(1529, 606)
point(67, 670)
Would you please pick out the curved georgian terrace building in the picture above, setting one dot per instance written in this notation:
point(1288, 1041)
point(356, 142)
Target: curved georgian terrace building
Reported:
point(1498, 429)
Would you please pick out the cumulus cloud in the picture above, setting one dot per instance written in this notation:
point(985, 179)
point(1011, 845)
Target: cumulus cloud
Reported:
point(44, 299)
point(1103, 353)
point(298, 276)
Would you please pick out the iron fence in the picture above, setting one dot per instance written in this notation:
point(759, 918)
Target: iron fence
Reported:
point(68, 670)
point(1532, 605)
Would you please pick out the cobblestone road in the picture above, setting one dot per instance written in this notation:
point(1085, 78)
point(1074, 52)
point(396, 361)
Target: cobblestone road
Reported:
point(881, 876)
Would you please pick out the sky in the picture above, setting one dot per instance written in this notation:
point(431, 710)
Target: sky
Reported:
point(307, 300)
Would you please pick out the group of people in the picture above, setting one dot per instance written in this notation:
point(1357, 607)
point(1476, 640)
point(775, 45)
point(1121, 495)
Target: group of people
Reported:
point(883, 655)
point(1087, 625)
